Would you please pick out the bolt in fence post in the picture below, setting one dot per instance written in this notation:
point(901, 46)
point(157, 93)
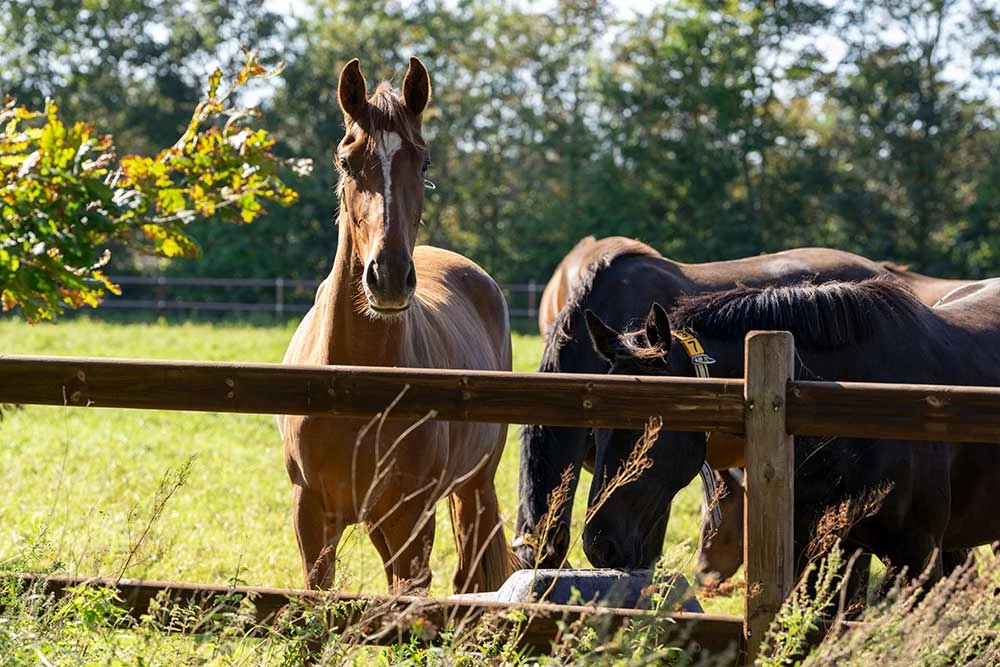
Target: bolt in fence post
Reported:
point(770, 468)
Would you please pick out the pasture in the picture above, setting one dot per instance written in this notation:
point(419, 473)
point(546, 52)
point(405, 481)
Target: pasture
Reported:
point(200, 497)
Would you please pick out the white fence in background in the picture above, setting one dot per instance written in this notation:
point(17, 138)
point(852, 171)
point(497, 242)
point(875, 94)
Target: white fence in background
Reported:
point(280, 296)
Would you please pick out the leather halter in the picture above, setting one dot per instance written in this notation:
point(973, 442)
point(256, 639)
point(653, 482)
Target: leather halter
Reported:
point(701, 362)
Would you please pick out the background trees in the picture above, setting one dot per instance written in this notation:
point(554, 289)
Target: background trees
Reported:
point(710, 129)
point(65, 195)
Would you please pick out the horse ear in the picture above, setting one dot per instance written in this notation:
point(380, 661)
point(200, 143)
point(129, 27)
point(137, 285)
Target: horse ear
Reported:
point(416, 87)
point(658, 326)
point(352, 90)
point(605, 338)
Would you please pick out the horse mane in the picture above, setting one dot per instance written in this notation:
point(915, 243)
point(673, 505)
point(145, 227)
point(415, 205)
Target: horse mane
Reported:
point(821, 316)
point(387, 113)
point(615, 247)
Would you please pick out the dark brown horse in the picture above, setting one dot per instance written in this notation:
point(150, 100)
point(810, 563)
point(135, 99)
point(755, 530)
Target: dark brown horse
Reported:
point(389, 303)
point(720, 545)
point(573, 268)
point(874, 330)
point(619, 285)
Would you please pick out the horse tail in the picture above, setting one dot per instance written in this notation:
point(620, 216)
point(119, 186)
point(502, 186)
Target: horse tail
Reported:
point(498, 560)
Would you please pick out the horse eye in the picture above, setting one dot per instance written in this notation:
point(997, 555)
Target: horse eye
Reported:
point(345, 166)
point(426, 165)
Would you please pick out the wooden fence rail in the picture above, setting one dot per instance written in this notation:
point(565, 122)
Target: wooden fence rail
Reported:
point(922, 412)
point(386, 620)
point(354, 391)
point(767, 406)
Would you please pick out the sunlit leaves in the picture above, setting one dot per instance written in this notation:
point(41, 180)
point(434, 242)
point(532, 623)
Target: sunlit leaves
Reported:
point(64, 195)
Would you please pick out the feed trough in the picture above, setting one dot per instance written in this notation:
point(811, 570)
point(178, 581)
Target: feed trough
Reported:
point(603, 587)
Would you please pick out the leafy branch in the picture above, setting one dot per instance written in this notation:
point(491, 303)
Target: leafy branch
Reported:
point(64, 196)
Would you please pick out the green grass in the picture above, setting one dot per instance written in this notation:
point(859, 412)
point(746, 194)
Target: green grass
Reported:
point(85, 481)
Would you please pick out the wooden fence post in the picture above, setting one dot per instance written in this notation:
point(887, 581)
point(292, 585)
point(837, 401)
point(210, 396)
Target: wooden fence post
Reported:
point(770, 459)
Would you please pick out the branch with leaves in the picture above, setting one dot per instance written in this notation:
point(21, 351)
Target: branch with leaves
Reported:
point(64, 196)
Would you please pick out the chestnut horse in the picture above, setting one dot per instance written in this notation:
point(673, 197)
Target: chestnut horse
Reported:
point(573, 269)
point(619, 284)
point(388, 303)
point(927, 288)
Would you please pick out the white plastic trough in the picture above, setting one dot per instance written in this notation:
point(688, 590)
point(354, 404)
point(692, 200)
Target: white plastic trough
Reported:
point(603, 587)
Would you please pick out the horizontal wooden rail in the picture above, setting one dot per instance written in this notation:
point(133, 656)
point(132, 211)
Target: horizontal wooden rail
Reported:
point(916, 412)
point(922, 412)
point(387, 620)
point(686, 404)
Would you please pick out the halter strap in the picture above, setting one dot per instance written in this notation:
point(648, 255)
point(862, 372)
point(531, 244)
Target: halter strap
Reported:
point(695, 352)
point(701, 362)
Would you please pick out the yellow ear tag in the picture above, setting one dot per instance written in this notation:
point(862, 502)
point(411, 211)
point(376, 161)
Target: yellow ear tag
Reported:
point(692, 346)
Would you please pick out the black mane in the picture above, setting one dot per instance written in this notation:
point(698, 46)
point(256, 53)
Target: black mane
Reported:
point(560, 330)
point(825, 316)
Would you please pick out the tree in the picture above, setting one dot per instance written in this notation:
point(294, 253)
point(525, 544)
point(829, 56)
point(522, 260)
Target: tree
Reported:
point(132, 67)
point(63, 195)
point(692, 108)
point(506, 126)
point(913, 137)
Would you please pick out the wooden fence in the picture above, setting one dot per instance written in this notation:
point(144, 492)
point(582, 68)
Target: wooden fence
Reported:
point(767, 406)
point(280, 296)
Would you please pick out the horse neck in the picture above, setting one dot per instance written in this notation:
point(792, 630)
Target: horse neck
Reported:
point(353, 337)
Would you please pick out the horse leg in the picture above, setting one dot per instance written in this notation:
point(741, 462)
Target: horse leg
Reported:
point(385, 553)
point(317, 537)
point(854, 591)
point(918, 552)
point(953, 560)
point(404, 542)
point(484, 559)
point(851, 595)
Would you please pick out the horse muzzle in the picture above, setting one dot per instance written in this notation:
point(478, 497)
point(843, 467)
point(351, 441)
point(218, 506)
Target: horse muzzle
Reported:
point(389, 292)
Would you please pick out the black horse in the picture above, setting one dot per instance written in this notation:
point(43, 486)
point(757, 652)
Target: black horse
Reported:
point(932, 493)
point(620, 285)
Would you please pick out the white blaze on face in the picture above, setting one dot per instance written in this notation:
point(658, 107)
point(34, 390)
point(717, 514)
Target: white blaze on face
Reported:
point(386, 147)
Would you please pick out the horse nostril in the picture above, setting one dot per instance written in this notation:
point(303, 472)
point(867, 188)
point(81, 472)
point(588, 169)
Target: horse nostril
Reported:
point(371, 275)
point(411, 277)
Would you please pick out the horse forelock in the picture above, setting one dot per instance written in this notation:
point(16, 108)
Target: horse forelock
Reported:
point(386, 112)
point(821, 316)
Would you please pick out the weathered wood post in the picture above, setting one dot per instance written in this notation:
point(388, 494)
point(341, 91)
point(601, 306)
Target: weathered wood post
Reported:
point(770, 459)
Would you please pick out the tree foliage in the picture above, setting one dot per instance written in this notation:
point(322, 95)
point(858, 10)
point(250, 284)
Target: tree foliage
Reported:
point(64, 195)
point(709, 129)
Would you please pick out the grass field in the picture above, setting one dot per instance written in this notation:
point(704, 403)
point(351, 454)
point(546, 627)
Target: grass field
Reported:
point(205, 496)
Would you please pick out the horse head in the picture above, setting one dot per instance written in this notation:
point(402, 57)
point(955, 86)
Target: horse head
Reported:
point(382, 161)
point(626, 525)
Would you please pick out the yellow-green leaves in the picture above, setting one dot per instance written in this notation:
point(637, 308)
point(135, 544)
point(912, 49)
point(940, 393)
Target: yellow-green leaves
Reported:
point(64, 196)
